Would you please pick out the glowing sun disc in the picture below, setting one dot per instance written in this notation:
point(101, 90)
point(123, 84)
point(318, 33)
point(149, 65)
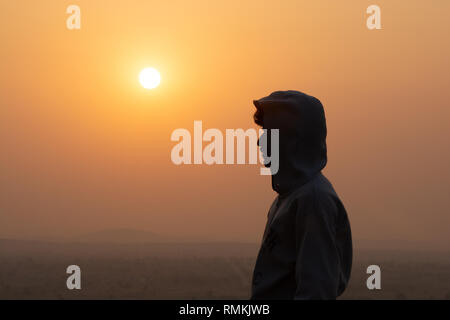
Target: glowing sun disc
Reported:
point(149, 78)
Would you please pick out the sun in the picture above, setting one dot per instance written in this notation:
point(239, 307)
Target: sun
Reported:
point(149, 78)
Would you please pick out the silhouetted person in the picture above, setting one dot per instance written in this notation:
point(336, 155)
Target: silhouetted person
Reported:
point(306, 251)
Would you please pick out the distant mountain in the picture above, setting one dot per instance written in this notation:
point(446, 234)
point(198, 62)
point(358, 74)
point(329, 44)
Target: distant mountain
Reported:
point(126, 236)
point(397, 244)
point(121, 236)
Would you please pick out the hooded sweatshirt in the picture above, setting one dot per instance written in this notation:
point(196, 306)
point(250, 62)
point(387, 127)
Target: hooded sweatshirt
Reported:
point(306, 251)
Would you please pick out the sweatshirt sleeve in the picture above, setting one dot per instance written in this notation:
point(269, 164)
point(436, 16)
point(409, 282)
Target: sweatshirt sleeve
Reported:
point(317, 262)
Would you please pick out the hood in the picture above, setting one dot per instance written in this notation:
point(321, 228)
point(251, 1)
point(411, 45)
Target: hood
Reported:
point(300, 119)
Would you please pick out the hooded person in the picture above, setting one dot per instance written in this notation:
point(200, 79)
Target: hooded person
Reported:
point(306, 251)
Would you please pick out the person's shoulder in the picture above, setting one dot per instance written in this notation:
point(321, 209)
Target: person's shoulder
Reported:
point(318, 192)
point(318, 186)
point(323, 188)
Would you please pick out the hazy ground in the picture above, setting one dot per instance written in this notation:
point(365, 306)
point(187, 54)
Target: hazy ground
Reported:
point(37, 270)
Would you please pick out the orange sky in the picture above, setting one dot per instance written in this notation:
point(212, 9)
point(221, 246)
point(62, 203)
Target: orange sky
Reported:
point(86, 148)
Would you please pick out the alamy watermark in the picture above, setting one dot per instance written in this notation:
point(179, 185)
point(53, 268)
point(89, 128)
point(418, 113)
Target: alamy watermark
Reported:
point(73, 22)
point(374, 280)
point(374, 20)
point(233, 151)
point(74, 280)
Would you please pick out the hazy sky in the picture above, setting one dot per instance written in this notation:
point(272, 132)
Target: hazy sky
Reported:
point(84, 147)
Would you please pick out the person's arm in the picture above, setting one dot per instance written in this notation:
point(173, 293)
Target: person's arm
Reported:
point(317, 262)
